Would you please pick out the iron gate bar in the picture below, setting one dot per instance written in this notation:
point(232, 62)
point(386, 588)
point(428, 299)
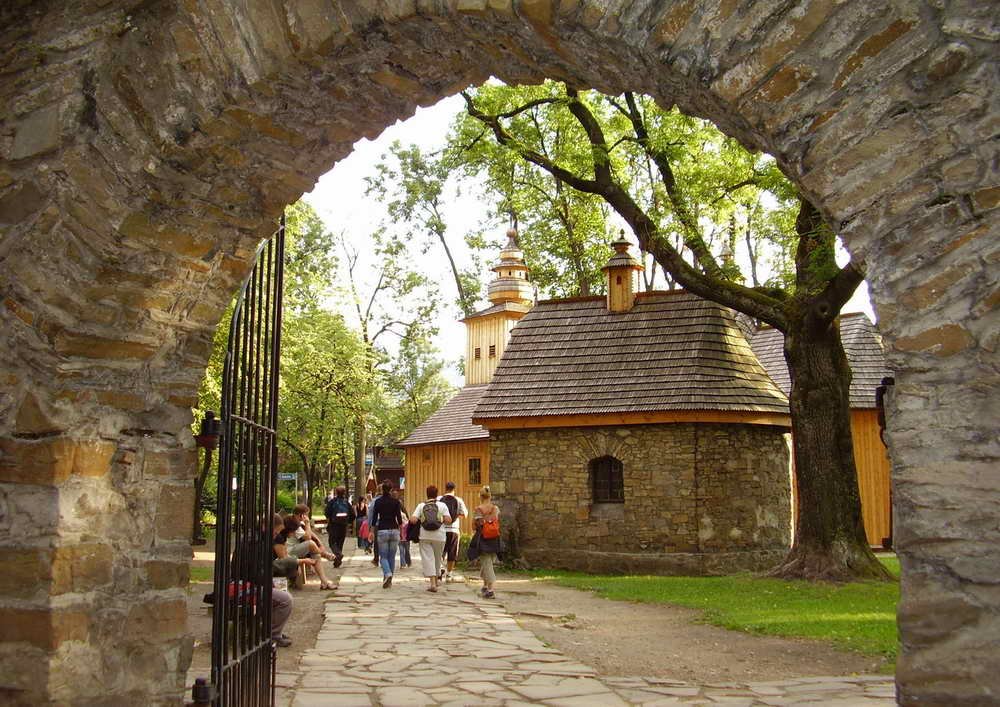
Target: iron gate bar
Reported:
point(243, 665)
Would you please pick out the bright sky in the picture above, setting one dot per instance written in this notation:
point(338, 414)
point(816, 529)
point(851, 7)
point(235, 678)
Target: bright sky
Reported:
point(340, 200)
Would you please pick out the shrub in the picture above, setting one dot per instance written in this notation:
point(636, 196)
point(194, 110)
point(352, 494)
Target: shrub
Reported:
point(284, 501)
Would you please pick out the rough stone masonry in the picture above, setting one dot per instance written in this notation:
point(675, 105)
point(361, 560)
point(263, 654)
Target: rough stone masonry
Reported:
point(699, 498)
point(147, 146)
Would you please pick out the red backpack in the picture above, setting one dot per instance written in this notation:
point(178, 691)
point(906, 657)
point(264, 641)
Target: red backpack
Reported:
point(491, 528)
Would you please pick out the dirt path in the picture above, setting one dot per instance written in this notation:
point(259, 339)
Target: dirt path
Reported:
point(661, 641)
point(615, 638)
point(453, 648)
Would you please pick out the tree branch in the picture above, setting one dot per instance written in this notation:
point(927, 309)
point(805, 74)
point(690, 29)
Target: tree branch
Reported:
point(507, 140)
point(527, 106)
point(713, 287)
point(692, 236)
point(841, 287)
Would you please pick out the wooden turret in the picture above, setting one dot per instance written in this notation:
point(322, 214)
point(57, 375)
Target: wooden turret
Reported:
point(511, 283)
point(620, 277)
point(512, 295)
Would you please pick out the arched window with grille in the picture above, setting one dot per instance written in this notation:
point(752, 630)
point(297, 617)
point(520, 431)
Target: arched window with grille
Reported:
point(607, 480)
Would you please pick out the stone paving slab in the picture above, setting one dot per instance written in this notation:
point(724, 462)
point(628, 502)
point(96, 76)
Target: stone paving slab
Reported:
point(406, 646)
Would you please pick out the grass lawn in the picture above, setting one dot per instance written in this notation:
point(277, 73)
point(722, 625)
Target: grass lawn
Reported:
point(201, 574)
point(860, 616)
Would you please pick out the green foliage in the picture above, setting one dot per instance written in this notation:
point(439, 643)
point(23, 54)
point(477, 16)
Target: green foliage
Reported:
point(326, 383)
point(735, 198)
point(415, 385)
point(336, 379)
point(563, 232)
point(859, 616)
point(284, 501)
point(413, 186)
point(310, 260)
point(202, 574)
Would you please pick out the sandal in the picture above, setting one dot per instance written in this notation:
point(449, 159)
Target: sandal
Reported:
point(432, 589)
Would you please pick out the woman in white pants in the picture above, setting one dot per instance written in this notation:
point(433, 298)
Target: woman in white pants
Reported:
point(432, 516)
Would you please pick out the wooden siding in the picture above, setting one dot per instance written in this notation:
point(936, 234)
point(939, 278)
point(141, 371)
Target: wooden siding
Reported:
point(872, 463)
point(439, 463)
point(483, 332)
point(621, 295)
point(873, 475)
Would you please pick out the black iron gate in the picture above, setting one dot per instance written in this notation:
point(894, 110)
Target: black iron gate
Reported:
point(242, 651)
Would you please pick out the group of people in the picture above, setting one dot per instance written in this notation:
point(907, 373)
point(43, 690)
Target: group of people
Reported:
point(294, 543)
point(385, 528)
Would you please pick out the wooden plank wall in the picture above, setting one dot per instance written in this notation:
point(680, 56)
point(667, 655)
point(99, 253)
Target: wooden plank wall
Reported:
point(439, 463)
point(872, 462)
point(493, 330)
point(621, 296)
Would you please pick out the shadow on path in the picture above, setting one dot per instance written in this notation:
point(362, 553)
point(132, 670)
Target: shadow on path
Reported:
point(407, 646)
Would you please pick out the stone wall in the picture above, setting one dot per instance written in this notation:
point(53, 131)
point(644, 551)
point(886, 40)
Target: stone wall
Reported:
point(699, 498)
point(146, 147)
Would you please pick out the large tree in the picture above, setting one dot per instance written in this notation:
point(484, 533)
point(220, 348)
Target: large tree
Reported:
point(416, 386)
point(414, 188)
point(562, 231)
point(310, 261)
point(401, 302)
point(668, 215)
point(327, 384)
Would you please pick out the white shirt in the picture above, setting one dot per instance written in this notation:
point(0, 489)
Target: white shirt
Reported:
point(438, 534)
point(456, 523)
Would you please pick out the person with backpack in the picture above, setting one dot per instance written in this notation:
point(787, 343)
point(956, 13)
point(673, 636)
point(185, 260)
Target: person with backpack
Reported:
point(457, 511)
point(432, 515)
point(339, 515)
point(487, 520)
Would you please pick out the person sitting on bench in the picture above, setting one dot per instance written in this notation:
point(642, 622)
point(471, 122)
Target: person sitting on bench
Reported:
point(302, 548)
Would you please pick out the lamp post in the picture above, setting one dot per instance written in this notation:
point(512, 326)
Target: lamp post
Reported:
point(208, 440)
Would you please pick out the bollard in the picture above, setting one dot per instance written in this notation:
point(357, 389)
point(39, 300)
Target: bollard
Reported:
point(201, 693)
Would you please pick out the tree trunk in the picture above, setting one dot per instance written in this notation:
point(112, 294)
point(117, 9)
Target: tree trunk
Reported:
point(360, 442)
point(830, 542)
point(309, 473)
point(197, 536)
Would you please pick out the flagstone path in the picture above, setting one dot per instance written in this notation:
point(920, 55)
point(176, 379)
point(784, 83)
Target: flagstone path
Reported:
point(399, 647)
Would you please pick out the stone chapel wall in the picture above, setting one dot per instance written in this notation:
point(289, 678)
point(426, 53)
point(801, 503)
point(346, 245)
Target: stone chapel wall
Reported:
point(699, 498)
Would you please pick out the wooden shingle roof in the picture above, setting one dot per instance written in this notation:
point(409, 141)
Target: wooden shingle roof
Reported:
point(498, 308)
point(672, 351)
point(452, 422)
point(862, 344)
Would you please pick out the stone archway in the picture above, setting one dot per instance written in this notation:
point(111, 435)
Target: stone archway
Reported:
point(148, 145)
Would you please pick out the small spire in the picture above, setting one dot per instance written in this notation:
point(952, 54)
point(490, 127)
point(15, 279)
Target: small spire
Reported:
point(511, 282)
point(621, 245)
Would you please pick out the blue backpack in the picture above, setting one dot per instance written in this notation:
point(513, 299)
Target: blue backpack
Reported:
point(338, 511)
